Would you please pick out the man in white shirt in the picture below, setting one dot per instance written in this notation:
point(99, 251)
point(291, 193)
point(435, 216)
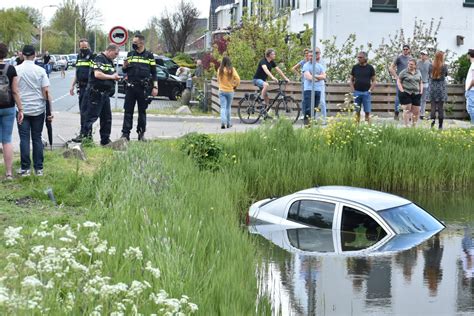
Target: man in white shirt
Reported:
point(33, 84)
point(470, 87)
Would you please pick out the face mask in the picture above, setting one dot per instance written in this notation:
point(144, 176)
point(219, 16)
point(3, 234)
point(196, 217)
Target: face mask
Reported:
point(84, 51)
point(134, 46)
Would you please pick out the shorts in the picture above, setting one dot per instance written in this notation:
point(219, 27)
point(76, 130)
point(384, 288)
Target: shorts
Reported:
point(363, 98)
point(410, 98)
point(258, 82)
point(7, 119)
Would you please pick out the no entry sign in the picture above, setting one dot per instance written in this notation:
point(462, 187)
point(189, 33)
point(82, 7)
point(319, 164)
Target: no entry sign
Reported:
point(118, 35)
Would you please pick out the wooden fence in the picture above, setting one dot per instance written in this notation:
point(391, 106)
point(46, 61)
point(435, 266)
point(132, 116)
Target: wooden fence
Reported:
point(382, 97)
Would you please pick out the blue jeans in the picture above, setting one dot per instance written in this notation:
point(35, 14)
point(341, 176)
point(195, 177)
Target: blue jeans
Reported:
point(470, 104)
point(225, 99)
point(7, 119)
point(364, 98)
point(307, 102)
point(322, 103)
point(31, 126)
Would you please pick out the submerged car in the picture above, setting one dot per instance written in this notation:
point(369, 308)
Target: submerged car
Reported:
point(351, 212)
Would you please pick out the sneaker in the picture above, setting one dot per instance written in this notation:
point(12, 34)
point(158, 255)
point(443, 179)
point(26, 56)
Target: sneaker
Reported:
point(8, 177)
point(24, 172)
point(105, 142)
point(78, 139)
point(125, 136)
point(141, 137)
point(222, 126)
point(229, 125)
point(39, 172)
point(395, 117)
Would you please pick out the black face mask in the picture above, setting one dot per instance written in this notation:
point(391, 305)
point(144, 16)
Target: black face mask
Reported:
point(134, 46)
point(84, 51)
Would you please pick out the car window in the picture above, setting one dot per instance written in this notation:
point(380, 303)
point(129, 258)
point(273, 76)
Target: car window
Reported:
point(169, 63)
point(311, 239)
point(315, 213)
point(410, 219)
point(160, 73)
point(359, 230)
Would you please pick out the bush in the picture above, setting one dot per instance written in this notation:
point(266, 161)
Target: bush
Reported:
point(461, 65)
point(203, 149)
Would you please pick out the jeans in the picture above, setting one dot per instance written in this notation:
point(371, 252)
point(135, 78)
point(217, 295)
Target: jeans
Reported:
point(32, 125)
point(470, 104)
point(225, 99)
point(397, 101)
point(307, 102)
point(135, 94)
point(424, 98)
point(322, 103)
point(363, 98)
point(99, 107)
point(7, 119)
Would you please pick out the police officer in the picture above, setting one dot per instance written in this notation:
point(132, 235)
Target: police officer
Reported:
point(101, 86)
point(140, 69)
point(83, 66)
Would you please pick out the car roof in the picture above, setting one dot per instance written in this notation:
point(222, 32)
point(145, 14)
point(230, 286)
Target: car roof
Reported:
point(375, 200)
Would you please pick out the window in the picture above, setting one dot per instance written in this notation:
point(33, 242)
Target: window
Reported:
point(315, 213)
point(469, 3)
point(311, 239)
point(384, 6)
point(359, 230)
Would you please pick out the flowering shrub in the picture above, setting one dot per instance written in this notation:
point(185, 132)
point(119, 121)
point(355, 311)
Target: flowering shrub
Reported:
point(203, 149)
point(60, 270)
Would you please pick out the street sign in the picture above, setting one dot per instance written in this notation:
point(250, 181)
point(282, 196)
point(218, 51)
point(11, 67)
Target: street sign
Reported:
point(118, 35)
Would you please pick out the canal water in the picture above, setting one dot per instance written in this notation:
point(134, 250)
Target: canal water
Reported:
point(435, 277)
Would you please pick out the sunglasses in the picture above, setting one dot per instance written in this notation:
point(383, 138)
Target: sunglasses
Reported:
point(406, 49)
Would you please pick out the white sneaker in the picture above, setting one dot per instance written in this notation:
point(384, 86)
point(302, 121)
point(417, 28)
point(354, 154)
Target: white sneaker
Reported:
point(39, 172)
point(24, 173)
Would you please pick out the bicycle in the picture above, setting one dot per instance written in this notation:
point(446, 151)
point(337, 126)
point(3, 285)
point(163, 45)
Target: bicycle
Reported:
point(251, 107)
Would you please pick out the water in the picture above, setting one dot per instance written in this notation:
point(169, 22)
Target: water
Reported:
point(435, 277)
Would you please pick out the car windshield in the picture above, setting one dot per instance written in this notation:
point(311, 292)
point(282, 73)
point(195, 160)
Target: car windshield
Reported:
point(410, 218)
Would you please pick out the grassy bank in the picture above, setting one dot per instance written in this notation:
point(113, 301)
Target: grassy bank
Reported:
point(177, 207)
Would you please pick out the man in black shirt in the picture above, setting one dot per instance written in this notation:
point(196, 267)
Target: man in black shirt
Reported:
point(140, 69)
point(101, 86)
point(46, 65)
point(264, 69)
point(362, 83)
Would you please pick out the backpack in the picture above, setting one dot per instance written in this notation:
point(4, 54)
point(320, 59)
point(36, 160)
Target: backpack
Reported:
point(5, 90)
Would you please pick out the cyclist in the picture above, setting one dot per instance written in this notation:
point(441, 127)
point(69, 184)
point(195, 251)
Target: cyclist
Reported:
point(264, 69)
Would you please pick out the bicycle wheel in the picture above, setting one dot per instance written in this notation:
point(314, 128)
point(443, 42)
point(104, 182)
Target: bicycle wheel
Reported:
point(288, 108)
point(249, 110)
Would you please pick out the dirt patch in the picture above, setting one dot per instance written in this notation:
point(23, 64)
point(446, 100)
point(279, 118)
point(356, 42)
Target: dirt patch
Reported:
point(25, 201)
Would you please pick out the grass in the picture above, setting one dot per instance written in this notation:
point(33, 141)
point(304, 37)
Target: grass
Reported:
point(187, 220)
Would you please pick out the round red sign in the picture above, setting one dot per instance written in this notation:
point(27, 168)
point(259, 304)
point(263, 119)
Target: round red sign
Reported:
point(118, 35)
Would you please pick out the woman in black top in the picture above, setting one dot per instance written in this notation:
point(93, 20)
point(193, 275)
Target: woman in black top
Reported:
point(8, 98)
point(438, 95)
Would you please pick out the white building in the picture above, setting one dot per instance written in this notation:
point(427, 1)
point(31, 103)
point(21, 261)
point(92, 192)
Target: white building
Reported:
point(372, 20)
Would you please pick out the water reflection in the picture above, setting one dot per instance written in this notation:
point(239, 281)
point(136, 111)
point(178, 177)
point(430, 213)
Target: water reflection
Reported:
point(338, 276)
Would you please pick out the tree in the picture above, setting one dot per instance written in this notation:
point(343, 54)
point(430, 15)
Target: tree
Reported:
point(178, 26)
point(15, 27)
point(151, 34)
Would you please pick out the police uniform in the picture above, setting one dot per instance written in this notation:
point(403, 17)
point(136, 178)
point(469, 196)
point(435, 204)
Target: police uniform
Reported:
point(99, 92)
point(83, 66)
point(141, 72)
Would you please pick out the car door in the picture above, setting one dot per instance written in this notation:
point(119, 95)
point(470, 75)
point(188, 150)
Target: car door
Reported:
point(360, 229)
point(316, 213)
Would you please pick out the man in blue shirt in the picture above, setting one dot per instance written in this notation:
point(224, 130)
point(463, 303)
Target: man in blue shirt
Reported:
point(319, 76)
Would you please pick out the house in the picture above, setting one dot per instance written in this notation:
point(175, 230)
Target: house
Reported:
point(370, 20)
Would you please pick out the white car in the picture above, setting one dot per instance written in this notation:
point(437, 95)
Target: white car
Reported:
point(356, 215)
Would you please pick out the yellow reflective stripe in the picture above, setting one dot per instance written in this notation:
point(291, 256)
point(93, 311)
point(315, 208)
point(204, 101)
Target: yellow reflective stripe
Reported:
point(84, 63)
point(137, 59)
point(103, 67)
point(152, 62)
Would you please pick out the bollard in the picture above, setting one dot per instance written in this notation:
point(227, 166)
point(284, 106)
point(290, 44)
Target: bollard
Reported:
point(49, 192)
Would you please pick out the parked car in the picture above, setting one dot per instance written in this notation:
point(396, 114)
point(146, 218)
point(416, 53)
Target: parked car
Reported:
point(72, 59)
point(168, 85)
point(168, 63)
point(346, 209)
point(59, 61)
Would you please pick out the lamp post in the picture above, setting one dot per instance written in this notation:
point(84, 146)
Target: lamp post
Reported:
point(315, 11)
point(41, 25)
point(75, 35)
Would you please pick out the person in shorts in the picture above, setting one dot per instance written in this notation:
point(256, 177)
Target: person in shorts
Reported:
point(264, 70)
point(362, 83)
point(410, 85)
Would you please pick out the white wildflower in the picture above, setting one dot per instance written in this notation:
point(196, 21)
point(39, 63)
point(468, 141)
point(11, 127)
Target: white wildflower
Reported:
point(192, 307)
point(49, 285)
point(12, 256)
point(121, 307)
point(112, 251)
point(93, 238)
point(89, 224)
point(12, 235)
point(70, 234)
point(37, 249)
point(30, 264)
point(136, 289)
point(112, 290)
point(65, 239)
point(133, 253)
point(154, 271)
point(97, 311)
point(101, 248)
point(117, 314)
point(159, 298)
point(31, 282)
point(172, 304)
point(70, 301)
point(44, 224)
point(4, 297)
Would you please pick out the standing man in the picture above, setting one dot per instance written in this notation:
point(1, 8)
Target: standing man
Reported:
point(400, 63)
point(33, 85)
point(46, 60)
point(319, 76)
point(140, 69)
point(101, 86)
point(470, 87)
point(322, 101)
point(362, 84)
point(423, 66)
point(298, 70)
point(264, 70)
point(84, 65)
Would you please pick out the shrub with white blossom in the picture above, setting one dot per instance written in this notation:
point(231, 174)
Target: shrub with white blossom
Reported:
point(58, 269)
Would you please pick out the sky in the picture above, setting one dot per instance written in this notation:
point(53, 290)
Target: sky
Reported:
point(113, 12)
